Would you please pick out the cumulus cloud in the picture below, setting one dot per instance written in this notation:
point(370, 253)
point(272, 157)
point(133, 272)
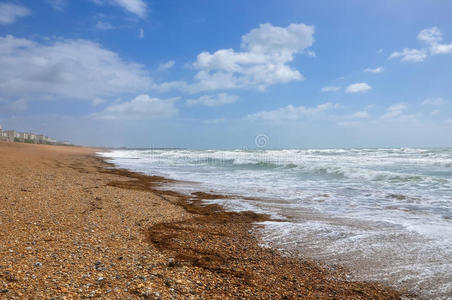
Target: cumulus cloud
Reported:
point(330, 89)
point(433, 38)
point(410, 55)
point(430, 35)
point(76, 69)
point(166, 65)
point(394, 111)
point(9, 12)
point(213, 100)
point(376, 70)
point(400, 114)
point(291, 112)
point(358, 88)
point(263, 61)
point(141, 107)
point(137, 7)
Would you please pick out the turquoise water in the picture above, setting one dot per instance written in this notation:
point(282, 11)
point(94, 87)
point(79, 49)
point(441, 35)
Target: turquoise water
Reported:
point(386, 213)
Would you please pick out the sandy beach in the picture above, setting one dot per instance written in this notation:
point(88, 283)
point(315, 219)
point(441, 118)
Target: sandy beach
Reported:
point(74, 227)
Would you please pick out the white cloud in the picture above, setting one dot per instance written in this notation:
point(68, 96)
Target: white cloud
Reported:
point(213, 100)
point(263, 61)
point(330, 89)
point(278, 40)
point(435, 102)
point(398, 106)
point(137, 7)
point(430, 35)
point(441, 49)
point(433, 38)
point(104, 25)
point(172, 85)
point(394, 114)
point(394, 111)
point(141, 33)
point(58, 4)
point(376, 70)
point(9, 12)
point(76, 69)
point(141, 107)
point(97, 101)
point(358, 88)
point(410, 55)
point(292, 112)
point(166, 65)
point(361, 115)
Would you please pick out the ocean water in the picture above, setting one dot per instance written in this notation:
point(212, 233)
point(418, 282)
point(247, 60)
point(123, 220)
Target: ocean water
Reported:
point(386, 214)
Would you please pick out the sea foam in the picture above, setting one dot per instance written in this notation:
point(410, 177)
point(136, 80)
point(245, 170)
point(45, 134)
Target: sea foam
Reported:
point(385, 213)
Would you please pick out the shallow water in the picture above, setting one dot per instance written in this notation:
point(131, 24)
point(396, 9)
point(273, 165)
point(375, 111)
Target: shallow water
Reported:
point(385, 213)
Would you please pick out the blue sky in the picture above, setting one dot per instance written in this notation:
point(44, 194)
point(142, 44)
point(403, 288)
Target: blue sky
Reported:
point(216, 74)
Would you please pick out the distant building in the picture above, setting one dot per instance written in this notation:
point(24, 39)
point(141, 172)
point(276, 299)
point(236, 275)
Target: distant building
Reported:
point(3, 136)
point(42, 139)
point(12, 134)
point(22, 136)
point(15, 136)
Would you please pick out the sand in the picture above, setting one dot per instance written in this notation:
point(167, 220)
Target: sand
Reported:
point(72, 227)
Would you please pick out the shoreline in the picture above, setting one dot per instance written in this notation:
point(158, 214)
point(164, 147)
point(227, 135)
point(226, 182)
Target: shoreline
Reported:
point(144, 242)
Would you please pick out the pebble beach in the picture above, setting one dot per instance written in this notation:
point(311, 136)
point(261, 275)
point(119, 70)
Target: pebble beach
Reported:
point(74, 227)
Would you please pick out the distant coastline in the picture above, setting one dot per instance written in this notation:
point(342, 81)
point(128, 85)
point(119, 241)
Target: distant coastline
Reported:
point(28, 137)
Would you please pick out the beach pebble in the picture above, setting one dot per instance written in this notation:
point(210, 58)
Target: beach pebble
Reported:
point(171, 262)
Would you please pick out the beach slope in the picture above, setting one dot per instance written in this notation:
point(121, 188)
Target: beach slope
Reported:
point(72, 226)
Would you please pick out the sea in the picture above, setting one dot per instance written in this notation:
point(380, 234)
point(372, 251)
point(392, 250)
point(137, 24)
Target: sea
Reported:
point(385, 214)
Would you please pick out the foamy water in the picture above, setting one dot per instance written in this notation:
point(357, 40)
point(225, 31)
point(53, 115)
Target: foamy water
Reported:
point(384, 213)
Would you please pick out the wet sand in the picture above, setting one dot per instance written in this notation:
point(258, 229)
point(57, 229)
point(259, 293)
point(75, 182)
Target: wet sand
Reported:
point(72, 226)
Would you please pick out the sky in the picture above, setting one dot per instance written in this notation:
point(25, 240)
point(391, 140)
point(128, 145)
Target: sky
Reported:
point(228, 74)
